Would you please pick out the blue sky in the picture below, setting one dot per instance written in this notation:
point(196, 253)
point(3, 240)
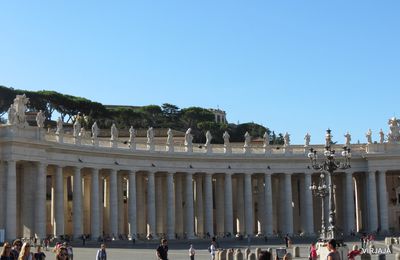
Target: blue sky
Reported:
point(295, 66)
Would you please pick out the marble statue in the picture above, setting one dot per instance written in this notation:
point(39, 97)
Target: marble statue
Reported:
point(208, 138)
point(328, 138)
point(394, 134)
point(95, 130)
point(188, 137)
point(150, 135)
point(170, 138)
point(40, 119)
point(286, 139)
point(77, 127)
point(16, 112)
point(307, 140)
point(11, 115)
point(247, 139)
point(82, 133)
point(347, 139)
point(266, 139)
point(132, 135)
point(59, 126)
point(381, 137)
point(369, 136)
point(114, 132)
point(226, 138)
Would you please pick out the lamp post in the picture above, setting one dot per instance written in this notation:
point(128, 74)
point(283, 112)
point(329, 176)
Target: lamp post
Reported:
point(321, 191)
point(328, 165)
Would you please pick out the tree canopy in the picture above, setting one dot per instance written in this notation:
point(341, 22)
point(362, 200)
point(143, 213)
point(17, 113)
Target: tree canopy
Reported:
point(165, 116)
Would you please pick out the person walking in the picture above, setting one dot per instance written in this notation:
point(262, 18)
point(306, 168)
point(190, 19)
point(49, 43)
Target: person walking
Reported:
point(192, 252)
point(101, 253)
point(16, 249)
point(62, 253)
point(333, 254)
point(213, 248)
point(39, 255)
point(25, 253)
point(287, 238)
point(313, 252)
point(6, 252)
point(162, 250)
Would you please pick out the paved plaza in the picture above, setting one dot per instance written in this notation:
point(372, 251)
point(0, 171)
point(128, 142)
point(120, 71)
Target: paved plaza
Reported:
point(179, 250)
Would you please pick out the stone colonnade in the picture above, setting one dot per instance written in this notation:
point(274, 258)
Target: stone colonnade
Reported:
point(47, 199)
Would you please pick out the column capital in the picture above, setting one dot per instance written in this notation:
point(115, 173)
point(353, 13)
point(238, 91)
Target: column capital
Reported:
point(288, 173)
point(309, 172)
point(268, 173)
point(229, 172)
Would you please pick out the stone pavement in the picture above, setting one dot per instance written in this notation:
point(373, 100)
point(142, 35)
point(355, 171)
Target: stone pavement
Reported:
point(179, 250)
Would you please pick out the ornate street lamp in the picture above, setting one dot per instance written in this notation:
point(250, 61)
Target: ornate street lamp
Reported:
point(321, 191)
point(328, 165)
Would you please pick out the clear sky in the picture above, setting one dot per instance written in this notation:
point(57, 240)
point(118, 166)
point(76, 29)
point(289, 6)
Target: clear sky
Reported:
point(295, 66)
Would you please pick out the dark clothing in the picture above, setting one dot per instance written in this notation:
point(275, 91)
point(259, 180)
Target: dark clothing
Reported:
point(162, 252)
point(334, 255)
point(14, 253)
point(7, 258)
point(101, 255)
point(40, 256)
point(192, 257)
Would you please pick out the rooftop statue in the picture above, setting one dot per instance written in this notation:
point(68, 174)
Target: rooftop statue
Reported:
point(226, 138)
point(59, 126)
point(394, 134)
point(307, 139)
point(208, 138)
point(150, 135)
point(114, 132)
point(95, 130)
point(347, 139)
point(77, 127)
point(247, 139)
point(381, 137)
point(328, 137)
point(132, 134)
point(188, 137)
point(170, 138)
point(266, 139)
point(369, 136)
point(40, 119)
point(286, 139)
point(16, 112)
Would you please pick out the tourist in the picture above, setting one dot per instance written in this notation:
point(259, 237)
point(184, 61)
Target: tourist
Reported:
point(25, 253)
point(162, 250)
point(39, 255)
point(213, 248)
point(287, 238)
point(313, 252)
point(101, 253)
point(192, 252)
point(265, 255)
point(17, 244)
point(6, 252)
point(62, 253)
point(70, 251)
point(333, 254)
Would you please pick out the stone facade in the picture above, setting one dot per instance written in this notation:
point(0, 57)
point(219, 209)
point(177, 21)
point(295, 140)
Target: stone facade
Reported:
point(56, 186)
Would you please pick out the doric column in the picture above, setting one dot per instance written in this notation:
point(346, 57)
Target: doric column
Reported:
point(114, 203)
point(120, 201)
point(59, 202)
point(171, 206)
point(11, 201)
point(268, 204)
point(178, 206)
point(40, 201)
point(77, 203)
point(151, 205)
point(308, 203)
point(189, 206)
point(209, 222)
point(383, 203)
point(132, 223)
point(199, 206)
point(228, 204)
point(94, 205)
point(288, 204)
point(350, 205)
point(372, 204)
point(248, 204)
